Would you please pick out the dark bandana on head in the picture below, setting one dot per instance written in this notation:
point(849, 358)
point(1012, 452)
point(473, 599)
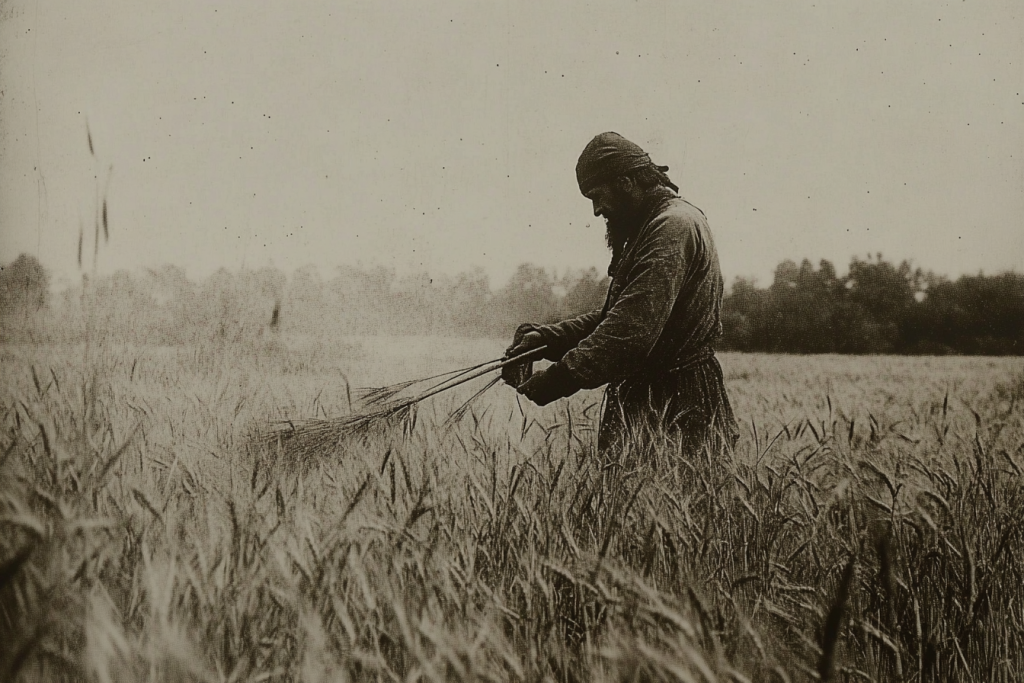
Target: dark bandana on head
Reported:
point(608, 156)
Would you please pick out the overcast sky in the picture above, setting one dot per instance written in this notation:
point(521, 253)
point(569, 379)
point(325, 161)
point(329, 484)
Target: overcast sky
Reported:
point(440, 136)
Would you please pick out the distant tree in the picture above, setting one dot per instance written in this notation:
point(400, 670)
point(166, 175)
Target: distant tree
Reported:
point(24, 292)
point(360, 301)
point(584, 292)
point(974, 314)
point(305, 301)
point(799, 311)
point(412, 306)
point(878, 297)
point(24, 285)
point(528, 296)
point(469, 299)
point(744, 312)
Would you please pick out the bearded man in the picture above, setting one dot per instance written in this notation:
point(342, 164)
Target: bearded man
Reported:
point(652, 341)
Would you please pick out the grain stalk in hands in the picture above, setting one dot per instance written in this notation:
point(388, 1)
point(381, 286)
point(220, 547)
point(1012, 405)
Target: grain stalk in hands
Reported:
point(304, 439)
point(382, 395)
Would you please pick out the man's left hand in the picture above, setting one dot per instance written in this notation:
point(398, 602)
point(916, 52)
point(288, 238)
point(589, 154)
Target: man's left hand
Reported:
point(550, 385)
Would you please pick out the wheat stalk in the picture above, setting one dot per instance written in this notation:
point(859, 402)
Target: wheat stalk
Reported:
point(303, 439)
point(370, 396)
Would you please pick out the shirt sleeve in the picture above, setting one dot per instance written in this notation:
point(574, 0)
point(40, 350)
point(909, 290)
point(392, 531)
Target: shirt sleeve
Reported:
point(621, 342)
point(565, 335)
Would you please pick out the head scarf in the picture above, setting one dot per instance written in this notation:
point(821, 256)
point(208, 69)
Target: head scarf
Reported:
point(608, 156)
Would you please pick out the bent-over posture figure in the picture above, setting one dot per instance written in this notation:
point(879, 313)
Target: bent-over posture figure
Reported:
point(652, 341)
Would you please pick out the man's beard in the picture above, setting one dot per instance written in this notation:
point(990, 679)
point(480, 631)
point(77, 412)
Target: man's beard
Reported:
point(619, 227)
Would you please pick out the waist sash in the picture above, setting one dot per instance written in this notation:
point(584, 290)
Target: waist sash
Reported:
point(692, 360)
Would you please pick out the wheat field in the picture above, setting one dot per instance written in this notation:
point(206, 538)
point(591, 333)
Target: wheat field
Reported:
point(868, 527)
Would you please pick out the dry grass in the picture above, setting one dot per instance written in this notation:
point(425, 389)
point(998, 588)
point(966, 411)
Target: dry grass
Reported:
point(867, 528)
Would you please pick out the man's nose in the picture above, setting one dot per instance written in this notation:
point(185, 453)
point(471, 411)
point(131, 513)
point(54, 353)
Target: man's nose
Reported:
point(598, 209)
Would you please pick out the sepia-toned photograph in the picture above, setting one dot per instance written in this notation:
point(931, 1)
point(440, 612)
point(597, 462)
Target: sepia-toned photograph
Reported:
point(396, 341)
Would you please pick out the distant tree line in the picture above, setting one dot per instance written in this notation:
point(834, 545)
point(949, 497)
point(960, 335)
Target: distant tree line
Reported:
point(877, 307)
point(163, 306)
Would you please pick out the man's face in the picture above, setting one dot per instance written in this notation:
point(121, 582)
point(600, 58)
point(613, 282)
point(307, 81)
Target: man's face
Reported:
point(615, 204)
point(610, 201)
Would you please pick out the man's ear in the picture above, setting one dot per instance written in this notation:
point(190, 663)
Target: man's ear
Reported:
point(625, 183)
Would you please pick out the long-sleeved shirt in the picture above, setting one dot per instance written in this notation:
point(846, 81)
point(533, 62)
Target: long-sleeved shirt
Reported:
point(663, 307)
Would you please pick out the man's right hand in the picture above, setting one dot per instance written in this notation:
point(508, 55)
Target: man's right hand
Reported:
point(523, 341)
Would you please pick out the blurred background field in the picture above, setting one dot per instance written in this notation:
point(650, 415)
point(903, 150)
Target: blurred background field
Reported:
point(298, 376)
point(867, 527)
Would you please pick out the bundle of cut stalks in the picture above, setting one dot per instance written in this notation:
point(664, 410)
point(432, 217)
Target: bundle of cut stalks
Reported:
point(384, 409)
